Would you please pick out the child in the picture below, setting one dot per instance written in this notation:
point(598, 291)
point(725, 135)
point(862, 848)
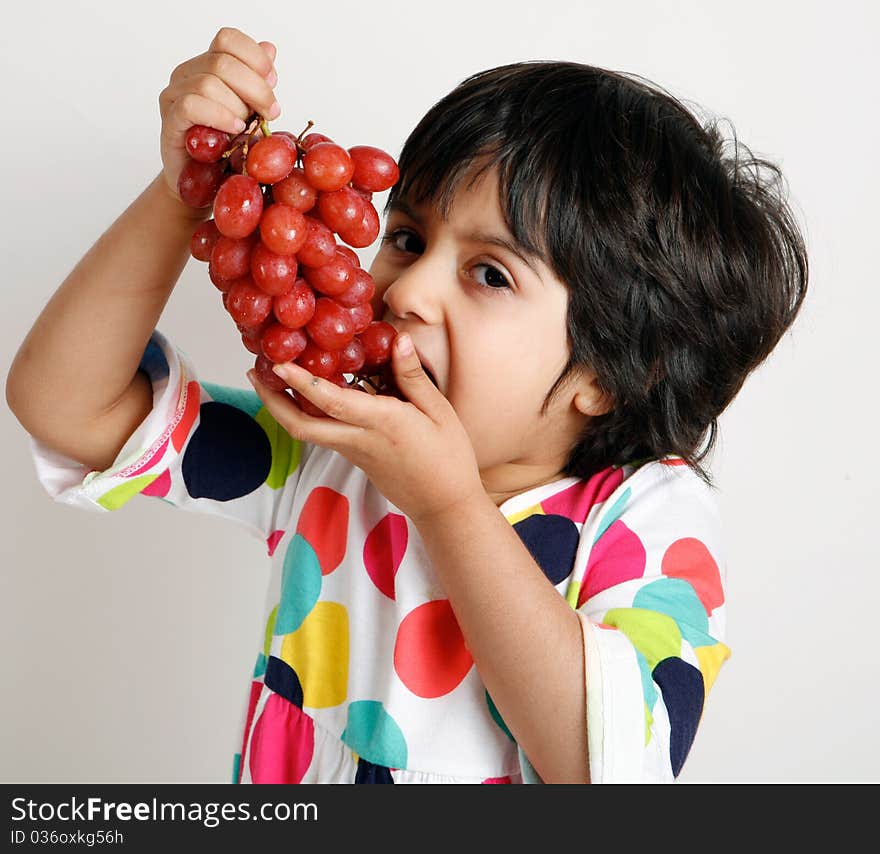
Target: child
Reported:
point(515, 573)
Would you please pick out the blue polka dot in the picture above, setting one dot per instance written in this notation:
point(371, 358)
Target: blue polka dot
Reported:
point(367, 772)
point(552, 541)
point(247, 401)
point(683, 696)
point(228, 455)
point(260, 666)
point(282, 679)
point(677, 598)
point(300, 585)
point(373, 734)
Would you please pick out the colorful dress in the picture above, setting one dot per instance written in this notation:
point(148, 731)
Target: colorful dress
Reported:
point(362, 674)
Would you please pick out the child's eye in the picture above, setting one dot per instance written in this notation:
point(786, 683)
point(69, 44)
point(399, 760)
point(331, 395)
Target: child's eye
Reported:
point(398, 239)
point(494, 278)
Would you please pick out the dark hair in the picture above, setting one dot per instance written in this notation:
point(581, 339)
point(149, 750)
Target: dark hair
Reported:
point(684, 263)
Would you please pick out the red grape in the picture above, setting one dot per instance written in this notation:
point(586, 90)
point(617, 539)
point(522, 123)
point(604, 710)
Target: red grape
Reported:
point(296, 191)
point(231, 256)
point(320, 362)
point(333, 278)
point(247, 304)
point(328, 166)
point(364, 232)
point(351, 357)
point(273, 273)
point(203, 240)
point(206, 144)
point(350, 254)
point(266, 375)
point(377, 339)
point(238, 206)
point(295, 308)
point(374, 170)
point(313, 139)
point(283, 229)
point(341, 209)
point(198, 183)
point(360, 291)
point(282, 344)
point(331, 326)
point(362, 315)
point(319, 247)
point(270, 160)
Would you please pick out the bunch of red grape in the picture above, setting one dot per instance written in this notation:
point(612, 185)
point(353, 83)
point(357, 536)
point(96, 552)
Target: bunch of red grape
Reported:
point(295, 294)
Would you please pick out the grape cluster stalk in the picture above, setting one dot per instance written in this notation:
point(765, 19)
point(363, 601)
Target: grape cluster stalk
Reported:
point(295, 293)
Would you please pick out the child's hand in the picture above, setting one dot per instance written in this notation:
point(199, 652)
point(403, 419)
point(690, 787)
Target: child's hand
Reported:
point(219, 88)
point(416, 452)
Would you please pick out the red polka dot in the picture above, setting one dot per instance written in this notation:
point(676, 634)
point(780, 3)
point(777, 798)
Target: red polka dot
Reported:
point(282, 744)
point(618, 556)
point(256, 687)
point(272, 541)
point(160, 487)
point(430, 655)
point(575, 502)
point(384, 549)
point(323, 523)
point(689, 559)
point(497, 780)
point(154, 458)
point(191, 410)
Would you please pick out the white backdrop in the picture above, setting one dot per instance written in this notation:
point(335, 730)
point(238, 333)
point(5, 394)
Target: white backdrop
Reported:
point(105, 672)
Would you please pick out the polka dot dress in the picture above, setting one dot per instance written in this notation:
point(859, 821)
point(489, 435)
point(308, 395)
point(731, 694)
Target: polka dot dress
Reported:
point(361, 673)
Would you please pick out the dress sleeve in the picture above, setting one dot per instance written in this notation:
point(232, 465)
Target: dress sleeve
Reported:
point(648, 587)
point(203, 447)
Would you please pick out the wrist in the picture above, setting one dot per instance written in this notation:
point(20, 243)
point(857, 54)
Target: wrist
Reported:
point(469, 503)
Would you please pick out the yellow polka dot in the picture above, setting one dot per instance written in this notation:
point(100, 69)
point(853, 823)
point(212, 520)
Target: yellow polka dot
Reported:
point(318, 652)
point(711, 658)
point(513, 518)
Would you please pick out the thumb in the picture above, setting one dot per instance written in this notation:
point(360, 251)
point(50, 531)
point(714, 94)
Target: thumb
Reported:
point(411, 378)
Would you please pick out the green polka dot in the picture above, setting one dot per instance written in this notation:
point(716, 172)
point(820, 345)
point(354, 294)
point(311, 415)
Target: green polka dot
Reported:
point(286, 452)
point(654, 635)
point(612, 514)
point(496, 716)
point(119, 495)
point(678, 599)
point(270, 630)
point(373, 734)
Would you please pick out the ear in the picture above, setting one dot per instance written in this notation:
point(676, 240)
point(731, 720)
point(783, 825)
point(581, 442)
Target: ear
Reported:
point(588, 397)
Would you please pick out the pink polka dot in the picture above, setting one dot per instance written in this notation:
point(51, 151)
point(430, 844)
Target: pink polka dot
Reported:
point(430, 655)
point(618, 556)
point(160, 487)
point(154, 458)
point(383, 551)
point(256, 688)
point(282, 744)
point(272, 541)
point(689, 559)
point(323, 523)
point(191, 410)
point(575, 502)
point(497, 780)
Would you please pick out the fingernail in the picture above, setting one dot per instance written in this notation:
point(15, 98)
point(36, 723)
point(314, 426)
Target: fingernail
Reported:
point(272, 78)
point(252, 376)
point(274, 110)
point(240, 125)
point(404, 345)
point(280, 370)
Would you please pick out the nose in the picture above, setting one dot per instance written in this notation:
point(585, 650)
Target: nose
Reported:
point(417, 293)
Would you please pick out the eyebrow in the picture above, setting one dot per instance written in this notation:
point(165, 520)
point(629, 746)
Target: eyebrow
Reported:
point(478, 237)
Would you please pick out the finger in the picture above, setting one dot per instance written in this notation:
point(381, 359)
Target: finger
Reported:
point(307, 428)
point(191, 109)
point(236, 79)
point(413, 381)
point(234, 42)
point(347, 405)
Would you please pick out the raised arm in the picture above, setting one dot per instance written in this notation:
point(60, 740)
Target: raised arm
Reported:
point(74, 382)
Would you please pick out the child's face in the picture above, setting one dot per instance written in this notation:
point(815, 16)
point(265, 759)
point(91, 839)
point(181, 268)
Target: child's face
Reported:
point(490, 328)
